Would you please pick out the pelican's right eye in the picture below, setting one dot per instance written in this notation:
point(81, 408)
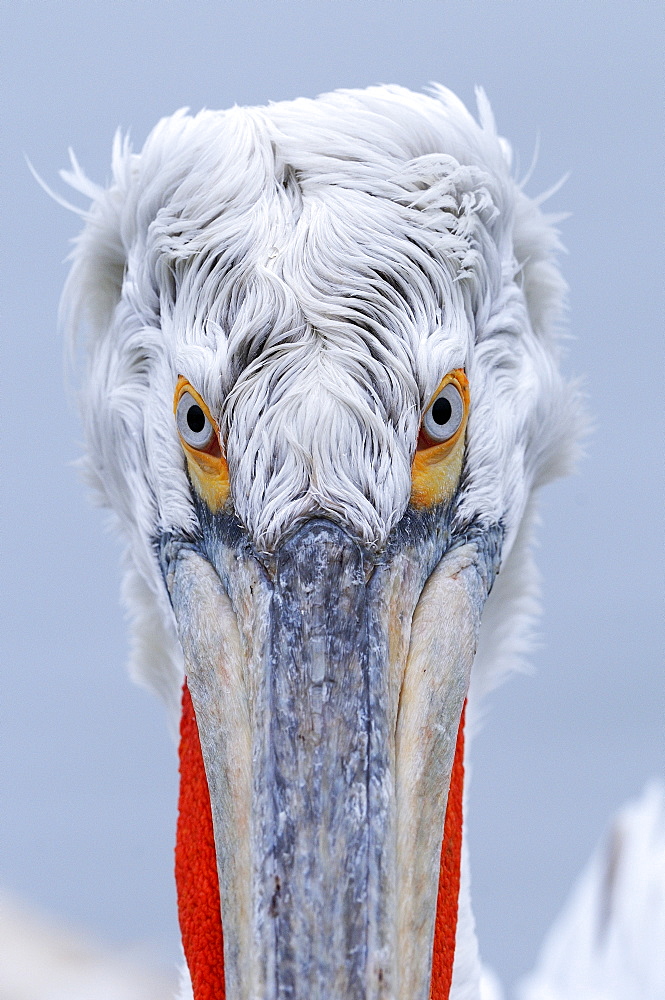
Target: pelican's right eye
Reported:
point(199, 437)
point(195, 427)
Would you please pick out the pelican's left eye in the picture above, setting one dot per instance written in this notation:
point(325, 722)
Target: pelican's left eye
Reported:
point(437, 463)
point(444, 415)
point(195, 428)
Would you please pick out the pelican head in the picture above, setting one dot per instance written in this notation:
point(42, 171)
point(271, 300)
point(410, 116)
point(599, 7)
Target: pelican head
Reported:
point(322, 387)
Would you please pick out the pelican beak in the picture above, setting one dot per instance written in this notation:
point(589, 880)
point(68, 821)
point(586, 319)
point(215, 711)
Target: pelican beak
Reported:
point(328, 686)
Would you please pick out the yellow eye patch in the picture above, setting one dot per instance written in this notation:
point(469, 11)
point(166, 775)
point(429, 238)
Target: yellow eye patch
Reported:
point(437, 464)
point(199, 437)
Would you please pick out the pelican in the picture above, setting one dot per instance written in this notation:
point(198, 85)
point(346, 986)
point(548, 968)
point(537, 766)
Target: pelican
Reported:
point(322, 390)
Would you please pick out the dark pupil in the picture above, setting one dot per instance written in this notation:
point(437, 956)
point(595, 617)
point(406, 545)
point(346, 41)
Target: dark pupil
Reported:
point(196, 420)
point(442, 411)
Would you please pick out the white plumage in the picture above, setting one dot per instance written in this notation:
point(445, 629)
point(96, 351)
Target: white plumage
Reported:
point(314, 269)
point(607, 944)
point(205, 251)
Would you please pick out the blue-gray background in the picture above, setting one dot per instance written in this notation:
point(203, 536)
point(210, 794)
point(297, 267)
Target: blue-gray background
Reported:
point(87, 770)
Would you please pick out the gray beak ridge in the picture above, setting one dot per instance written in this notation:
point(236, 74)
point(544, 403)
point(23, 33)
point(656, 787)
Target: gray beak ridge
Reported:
point(328, 693)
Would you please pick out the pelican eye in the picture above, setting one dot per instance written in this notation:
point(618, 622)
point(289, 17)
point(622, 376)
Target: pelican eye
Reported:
point(444, 415)
point(437, 463)
point(194, 426)
point(199, 436)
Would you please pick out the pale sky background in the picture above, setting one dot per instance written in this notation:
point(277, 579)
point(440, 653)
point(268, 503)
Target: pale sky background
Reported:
point(87, 768)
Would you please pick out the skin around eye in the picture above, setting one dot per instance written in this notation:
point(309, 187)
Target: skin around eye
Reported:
point(199, 437)
point(437, 464)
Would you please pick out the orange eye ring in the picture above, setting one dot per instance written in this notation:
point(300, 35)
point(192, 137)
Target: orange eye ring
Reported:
point(199, 436)
point(437, 464)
